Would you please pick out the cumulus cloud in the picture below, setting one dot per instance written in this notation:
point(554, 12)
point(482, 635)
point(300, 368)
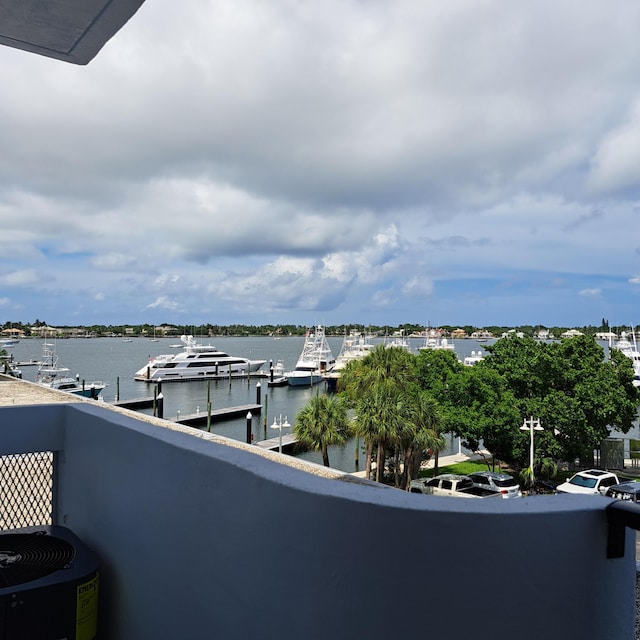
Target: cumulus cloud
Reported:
point(616, 165)
point(163, 302)
point(21, 278)
point(365, 158)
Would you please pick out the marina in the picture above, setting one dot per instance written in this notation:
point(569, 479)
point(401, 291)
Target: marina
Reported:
point(115, 362)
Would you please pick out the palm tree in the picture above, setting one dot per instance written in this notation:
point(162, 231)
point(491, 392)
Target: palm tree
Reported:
point(422, 431)
point(375, 387)
point(378, 421)
point(322, 422)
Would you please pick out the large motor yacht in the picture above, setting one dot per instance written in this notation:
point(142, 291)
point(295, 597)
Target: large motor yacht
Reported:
point(196, 362)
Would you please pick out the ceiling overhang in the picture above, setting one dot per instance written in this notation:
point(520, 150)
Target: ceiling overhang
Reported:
point(69, 30)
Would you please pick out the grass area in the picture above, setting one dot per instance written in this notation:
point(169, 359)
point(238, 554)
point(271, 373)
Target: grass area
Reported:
point(463, 468)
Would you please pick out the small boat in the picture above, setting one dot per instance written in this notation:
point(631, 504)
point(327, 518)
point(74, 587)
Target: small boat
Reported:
point(196, 361)
point(315, 361)
point(54, 376)
point(9, 367)
point(277, 377)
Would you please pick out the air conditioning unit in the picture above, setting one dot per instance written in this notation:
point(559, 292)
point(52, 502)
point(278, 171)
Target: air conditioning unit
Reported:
point(48, 585)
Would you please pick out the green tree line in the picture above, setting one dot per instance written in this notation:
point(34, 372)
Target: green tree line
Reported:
point(210, 329)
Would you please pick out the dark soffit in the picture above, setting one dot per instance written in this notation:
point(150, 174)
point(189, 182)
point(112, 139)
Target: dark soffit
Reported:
point(69, 30)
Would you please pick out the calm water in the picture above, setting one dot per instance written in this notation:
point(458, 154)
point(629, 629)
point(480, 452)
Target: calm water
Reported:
point(115, 361)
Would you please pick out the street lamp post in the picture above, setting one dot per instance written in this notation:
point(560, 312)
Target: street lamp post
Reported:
point(278, 424)
point(531, 425)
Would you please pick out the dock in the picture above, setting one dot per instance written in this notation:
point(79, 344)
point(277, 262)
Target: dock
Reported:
point(201, 376)
point(289, 442)
point(199, 419)
point(135, 403)
point(29, 363)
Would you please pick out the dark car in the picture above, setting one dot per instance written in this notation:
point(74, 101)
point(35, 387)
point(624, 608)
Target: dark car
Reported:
point(625, 491)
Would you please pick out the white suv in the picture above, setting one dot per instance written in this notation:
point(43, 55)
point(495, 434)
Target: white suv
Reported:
point(593, 481)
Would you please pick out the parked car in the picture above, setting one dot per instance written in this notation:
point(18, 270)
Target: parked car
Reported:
point(452, 485)
point(501, 483)
point(625, 491)
point(592, 481)
point(544, 486)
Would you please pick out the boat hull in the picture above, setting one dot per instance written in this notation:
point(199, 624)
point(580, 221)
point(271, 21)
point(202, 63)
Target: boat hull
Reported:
point(304, 380)
point(210, 372)
point(88, 391)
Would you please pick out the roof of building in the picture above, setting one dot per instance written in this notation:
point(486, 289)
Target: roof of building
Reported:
point(69, 30)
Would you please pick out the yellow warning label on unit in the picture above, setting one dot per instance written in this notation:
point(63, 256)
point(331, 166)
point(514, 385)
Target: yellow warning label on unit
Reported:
point(87, 610)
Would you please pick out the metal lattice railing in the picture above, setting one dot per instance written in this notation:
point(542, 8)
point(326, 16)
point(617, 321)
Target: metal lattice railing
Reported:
point(27, 489)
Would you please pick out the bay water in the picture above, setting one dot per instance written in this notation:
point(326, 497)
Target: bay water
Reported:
point(115, 360)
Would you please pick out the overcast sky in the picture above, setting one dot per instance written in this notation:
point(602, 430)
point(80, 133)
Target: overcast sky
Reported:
point(375, 161)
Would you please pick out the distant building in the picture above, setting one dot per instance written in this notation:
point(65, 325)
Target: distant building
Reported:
point(458, 333)
point(483, 334)
point(571, 333)
point(13, 333)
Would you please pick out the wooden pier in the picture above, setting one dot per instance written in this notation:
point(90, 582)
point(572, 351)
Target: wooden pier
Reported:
point(198, 419)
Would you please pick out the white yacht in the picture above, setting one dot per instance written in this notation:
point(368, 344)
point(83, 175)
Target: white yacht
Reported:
point(54, 376)
point(355, 346)
point(314, 362)
point(630, 349)
point(435, 341)
point(196, 361)
point(398, 340)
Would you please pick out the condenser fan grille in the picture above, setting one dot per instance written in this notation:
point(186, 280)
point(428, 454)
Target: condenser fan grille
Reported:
point(29, 556)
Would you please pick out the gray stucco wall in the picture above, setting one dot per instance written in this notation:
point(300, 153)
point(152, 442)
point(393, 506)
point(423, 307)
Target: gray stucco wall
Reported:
point(202, 540)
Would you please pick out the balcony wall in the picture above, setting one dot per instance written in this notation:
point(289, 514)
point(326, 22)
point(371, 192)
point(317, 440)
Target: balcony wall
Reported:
point(203, 539)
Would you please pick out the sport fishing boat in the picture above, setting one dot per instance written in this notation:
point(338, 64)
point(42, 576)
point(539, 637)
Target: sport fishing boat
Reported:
point(314, 362)
point(54, 376)
point(630, 349)
point(196, 361)
point(355, 346)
